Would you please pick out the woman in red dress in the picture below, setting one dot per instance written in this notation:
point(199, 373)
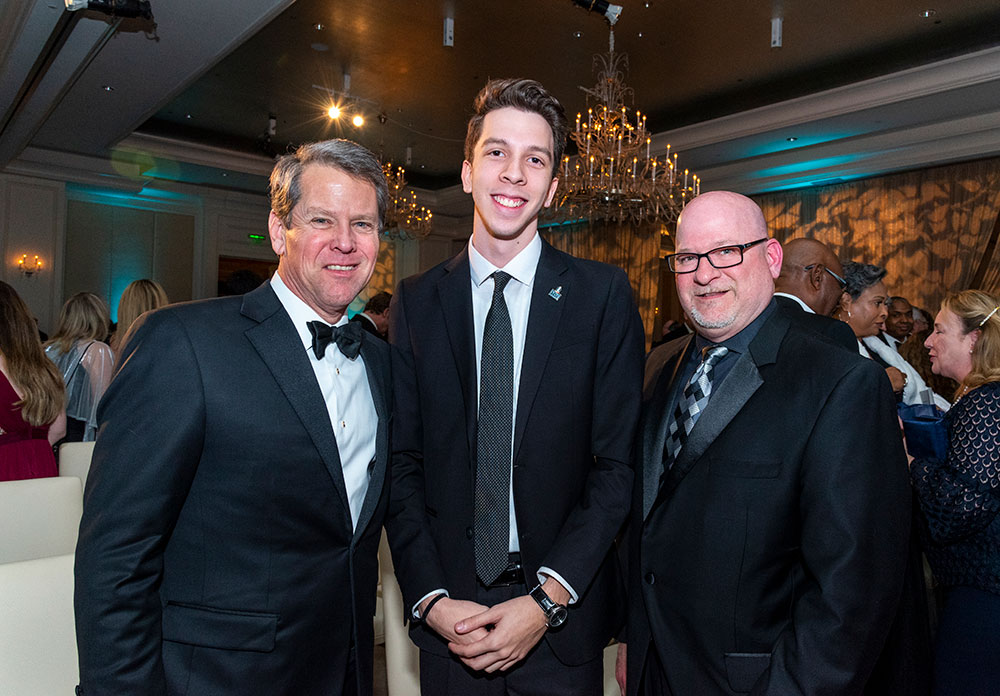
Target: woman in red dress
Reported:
point(32, 395)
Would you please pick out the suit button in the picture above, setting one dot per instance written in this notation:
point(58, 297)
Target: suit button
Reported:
point(469, 533)
point(650, 578)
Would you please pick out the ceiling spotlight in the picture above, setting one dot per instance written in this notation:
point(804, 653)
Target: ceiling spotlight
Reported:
point(577, 34)
point(333, 111)
point(358, 120)
point(792, 139)
point(927, 14)
point(318, 27)
point(107, 88)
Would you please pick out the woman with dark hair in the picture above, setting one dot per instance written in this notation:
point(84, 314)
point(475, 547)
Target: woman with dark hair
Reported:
point(86, 362)
point(864, 307)
point(31, 395)
point(959, 496)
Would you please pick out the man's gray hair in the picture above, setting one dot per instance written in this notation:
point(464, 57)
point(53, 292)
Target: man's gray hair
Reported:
point(355, 160)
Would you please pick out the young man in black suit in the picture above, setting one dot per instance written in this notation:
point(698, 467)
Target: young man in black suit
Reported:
point(517, 376)
point(770, 519)
point(234, 506)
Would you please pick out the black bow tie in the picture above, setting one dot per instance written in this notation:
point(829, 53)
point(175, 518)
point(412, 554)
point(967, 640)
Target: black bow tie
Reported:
point(347, 338)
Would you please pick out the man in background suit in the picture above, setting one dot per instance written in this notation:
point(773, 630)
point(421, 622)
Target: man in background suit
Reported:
point(898, 323)
point(517, 374)
point(809, 287)
point(234, 506)
point(374, 318)
point(770, 519)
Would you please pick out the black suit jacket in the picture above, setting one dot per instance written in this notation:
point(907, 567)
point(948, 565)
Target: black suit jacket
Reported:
point(830, 329)
point(577, 409)
point(770, 559)
point(216, 552)
point(367, 324)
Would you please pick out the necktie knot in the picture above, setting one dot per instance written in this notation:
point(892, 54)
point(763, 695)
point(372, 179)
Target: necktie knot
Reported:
point(347, 338)
point(711, 355)
point(500, 280)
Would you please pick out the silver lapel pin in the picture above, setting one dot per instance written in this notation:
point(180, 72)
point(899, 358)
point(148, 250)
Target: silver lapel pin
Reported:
point(556, 293)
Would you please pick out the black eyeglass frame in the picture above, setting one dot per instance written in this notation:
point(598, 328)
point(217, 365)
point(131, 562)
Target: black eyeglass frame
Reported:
point(840, 281)
point(707, 255)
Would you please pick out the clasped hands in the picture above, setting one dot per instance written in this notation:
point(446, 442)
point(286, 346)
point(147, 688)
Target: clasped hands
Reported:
point(489, 639)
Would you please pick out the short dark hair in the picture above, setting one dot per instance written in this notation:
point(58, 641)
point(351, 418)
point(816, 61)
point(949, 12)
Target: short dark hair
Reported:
point(285, 188)
point(860, 277)
point(524, 95)
point(898, 298)
point(378, 303)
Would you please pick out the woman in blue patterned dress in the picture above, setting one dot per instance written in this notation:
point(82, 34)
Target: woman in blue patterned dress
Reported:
point(960, 497)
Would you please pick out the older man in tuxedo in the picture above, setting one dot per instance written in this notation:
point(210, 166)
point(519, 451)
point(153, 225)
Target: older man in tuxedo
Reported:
point(770, 519)
point(233, 510)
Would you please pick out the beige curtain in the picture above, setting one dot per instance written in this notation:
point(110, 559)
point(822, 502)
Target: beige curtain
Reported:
point(634, 249)
point(934, 230)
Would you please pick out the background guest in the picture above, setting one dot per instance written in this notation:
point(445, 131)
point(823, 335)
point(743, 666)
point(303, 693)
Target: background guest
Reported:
point(915, 353)
point(374, 318)
point(140, 296)
point(959, 499)
point(31, 395)
point(84, 360)
point(899, 322)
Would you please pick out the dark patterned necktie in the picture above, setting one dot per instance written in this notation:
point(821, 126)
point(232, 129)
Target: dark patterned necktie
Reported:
point(347, 338)
point(493, 442)
point(692, 401)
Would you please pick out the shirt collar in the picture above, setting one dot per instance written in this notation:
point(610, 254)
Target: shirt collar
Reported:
point(740, 343)
point(802, 304)
point(521, 268)
point(301, 313)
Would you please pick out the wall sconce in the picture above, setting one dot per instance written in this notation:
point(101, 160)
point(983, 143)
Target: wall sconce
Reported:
point(29, 266)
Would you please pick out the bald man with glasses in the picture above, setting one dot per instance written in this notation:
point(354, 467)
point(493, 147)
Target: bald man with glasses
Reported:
point(770, 512)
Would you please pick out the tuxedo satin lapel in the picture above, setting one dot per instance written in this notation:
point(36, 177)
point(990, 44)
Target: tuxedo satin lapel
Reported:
point(376, 369)
point(278, 345)
point(734, 391)
point(543, 322)
point(455, 295)
point(655, 424)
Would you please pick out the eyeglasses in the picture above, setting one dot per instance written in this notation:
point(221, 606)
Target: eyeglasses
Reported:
point(722, 257)
point(840, 281)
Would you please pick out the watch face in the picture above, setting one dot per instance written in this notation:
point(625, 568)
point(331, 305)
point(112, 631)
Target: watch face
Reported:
point(557, 616)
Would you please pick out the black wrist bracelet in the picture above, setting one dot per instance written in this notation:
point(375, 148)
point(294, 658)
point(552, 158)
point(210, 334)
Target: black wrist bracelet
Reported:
point(434, 600)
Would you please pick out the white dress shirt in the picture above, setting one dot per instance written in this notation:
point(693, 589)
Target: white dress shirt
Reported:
point(348, 397)
point(802, 304)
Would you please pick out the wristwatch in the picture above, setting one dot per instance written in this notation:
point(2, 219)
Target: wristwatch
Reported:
point(555, 614)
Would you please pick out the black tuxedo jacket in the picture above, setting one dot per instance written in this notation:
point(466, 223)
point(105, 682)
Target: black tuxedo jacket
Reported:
point(770, 558)
point(832, 330)
point(577, 409)
point(216, 553)
point(366, 324)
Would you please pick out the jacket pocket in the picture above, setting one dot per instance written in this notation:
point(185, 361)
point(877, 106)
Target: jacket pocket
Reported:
point(744, 669)
point(219, 628)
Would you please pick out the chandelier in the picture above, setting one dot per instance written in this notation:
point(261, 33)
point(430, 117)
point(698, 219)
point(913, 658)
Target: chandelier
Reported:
point(615, 176)
point(404, 217)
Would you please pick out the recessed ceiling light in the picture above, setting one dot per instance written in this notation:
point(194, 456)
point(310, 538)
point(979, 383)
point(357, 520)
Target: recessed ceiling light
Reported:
point(107, 88)
point(791, 139)
point(333, 111)
point(187, 115)
point(577, 34)
point(319, 27)
point(927, 14)
point(358, 121)
point(640, 34)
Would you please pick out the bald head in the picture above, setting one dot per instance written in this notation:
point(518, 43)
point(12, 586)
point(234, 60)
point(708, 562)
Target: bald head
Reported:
point(806, 272)
point(723, 301)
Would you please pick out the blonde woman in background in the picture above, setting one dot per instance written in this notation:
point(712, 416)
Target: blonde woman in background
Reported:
point(86, 362)
point(31, 395)
point(139, 297)
point(959, 496)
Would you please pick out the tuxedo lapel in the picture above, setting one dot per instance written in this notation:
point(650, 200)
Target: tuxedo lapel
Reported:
point(654, 428)
point(728, 398)
point(376, 370)
point(543, 322)
point(278, 345)
point(455, 296)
